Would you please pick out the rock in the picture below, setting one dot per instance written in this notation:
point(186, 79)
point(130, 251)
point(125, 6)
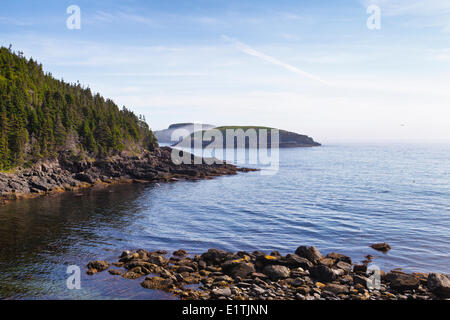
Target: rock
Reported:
point(180, 253)
point(336, 288)
point(83, 177)
point(263, 260)
point(294, 261)
point(182, 269)
point(158, 260)
point(400, 281)
point(327, 262)
point(115, 272)
point(91, 271)
point(157, 283)
point(129, 257)
point(100, 265)
point(238, 268)
point(258, 290)
point(125, 253)
point(310, 253)
point(216, 257)
point(322, 273)
point(339, 257)
point(276, 272)
point(258, 275)
point(344, 266)
point(384, 247)
point(222, 292)
point(132, 275)
point(360, 280)
point(360, 268)
point(439, 284)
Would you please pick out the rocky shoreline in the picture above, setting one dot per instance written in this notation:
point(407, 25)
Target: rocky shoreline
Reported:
point(66, 174)
point(303, 275)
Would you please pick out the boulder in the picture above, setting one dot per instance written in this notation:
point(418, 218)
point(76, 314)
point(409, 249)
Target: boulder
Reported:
point(84, 177)
point(361, 280)
point(400, 281)
point(222, 292)
point(276, 272)
point(384, 247)
point(216, 257)
point(238, 268)
point(439, 284)
point(322, 273)
point(310, 253)
point(100, 265)
point(294, 261)
point(179, 253)
point(339, 257)
point(157, 283)
point(158, 260)
point(329, 262)
point(360, 268)
point(115, 272)
point(182, 269)
point(344, 266)
point(336, 288)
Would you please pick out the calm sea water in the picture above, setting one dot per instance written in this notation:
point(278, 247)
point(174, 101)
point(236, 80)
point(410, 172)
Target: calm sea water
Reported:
point(339, 198)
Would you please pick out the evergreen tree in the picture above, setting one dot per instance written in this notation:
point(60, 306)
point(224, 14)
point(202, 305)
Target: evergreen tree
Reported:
point(39, 113)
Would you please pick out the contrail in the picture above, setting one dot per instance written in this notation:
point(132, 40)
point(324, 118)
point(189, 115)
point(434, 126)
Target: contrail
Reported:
point(250, 51)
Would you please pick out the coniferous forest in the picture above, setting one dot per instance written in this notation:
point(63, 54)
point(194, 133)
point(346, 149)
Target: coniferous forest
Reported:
point(41, 116)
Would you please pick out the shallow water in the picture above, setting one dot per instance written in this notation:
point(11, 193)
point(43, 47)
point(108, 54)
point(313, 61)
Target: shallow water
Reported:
point(339, 198)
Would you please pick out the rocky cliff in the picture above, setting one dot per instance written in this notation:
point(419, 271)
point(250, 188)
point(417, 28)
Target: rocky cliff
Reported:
point(67, 174)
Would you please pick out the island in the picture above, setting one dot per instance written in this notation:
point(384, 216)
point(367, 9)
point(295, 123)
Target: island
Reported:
point(287, 139)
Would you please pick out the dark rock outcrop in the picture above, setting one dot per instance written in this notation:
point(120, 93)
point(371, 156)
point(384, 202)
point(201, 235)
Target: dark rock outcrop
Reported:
point(65, 173)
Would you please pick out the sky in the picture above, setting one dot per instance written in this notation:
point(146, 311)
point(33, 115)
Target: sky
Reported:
point(312, 67)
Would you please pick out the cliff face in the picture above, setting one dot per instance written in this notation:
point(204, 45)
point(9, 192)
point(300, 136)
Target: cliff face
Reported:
point(286, 139)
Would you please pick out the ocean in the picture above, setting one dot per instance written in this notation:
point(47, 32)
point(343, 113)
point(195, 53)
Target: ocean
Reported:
point(339, 198)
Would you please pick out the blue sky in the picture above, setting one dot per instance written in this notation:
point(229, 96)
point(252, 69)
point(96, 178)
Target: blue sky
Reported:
point(308, 66)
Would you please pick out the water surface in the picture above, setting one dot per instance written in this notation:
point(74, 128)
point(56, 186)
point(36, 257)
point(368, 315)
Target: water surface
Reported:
point(339, 198)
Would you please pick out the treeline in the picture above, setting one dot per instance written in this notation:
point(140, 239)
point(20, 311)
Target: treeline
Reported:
point(41, 116)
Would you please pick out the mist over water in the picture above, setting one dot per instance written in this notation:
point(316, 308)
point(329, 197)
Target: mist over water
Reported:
point(339, 198)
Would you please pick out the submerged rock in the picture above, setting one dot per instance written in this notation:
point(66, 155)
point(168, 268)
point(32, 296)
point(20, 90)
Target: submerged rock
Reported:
point(384, 247)
point(157, 283)
point(99, 265)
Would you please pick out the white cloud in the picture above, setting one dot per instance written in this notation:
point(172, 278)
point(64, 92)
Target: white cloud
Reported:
point(250, 51)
